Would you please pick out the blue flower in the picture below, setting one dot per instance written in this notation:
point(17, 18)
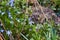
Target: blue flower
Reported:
point(11, 0)
point(8, 32)
point(9, 14)
point(1, 30)
point(31, 22)
point(11, 3)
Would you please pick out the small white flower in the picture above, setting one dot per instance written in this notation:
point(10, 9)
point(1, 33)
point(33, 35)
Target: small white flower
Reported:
point(3, 13)
point(11, 22)
point(39, 26)
point(11, 17)
point(18, 12)
point(18, 19)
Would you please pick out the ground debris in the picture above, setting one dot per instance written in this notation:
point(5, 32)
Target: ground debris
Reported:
point(42, 14)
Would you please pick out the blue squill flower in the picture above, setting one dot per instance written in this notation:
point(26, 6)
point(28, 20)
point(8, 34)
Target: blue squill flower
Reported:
point(30, 21)
point(1, 30)
point(8, 32)
point(11, 3)
point(11, 0)
point(9, 14)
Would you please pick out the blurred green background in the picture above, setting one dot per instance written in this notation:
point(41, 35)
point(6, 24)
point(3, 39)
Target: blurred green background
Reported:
point(16, 24)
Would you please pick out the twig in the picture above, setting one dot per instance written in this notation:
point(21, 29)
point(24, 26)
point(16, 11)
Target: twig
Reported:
point(23, 36)
point(36, 2)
